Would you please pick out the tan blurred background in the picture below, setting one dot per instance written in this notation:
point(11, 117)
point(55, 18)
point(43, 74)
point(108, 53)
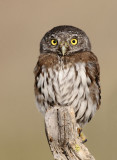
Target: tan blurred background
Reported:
point(22, 25)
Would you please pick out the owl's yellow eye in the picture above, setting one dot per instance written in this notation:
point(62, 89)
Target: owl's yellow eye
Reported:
point(54, 42)
point(74, 41)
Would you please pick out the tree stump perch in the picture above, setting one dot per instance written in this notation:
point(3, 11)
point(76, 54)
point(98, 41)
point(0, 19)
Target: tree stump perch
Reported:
point(62, 135)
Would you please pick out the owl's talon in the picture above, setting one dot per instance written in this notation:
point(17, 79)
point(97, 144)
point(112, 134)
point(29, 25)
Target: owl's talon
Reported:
point(82, 136)
point(79, 131)
point(84, 141)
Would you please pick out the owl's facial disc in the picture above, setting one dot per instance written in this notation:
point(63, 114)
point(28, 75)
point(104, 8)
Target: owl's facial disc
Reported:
point(65, 40)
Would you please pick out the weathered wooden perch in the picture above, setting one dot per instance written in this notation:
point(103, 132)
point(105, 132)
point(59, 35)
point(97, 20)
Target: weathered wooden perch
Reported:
point(62, 135)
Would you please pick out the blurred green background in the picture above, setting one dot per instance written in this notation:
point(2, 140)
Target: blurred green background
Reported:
point(22, 25)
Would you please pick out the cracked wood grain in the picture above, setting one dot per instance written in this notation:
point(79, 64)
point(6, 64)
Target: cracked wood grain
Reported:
point(63, 139)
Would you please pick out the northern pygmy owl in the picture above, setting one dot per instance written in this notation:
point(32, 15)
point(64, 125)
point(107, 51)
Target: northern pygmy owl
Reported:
point(67, 73)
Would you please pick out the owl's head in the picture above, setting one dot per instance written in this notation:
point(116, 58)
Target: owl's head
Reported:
point(65, 40)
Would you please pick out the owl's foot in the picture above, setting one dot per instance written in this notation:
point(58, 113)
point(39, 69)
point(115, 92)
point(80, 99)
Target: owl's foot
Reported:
point(82, 136)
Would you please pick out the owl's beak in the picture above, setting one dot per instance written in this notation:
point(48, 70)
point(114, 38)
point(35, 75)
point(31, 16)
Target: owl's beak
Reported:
point(64, 48)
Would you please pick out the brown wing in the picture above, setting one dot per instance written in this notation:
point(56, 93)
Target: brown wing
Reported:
point(47, 60)
point(38, 90)
point(93, 70)
point(43, 83)
point(37, 71)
